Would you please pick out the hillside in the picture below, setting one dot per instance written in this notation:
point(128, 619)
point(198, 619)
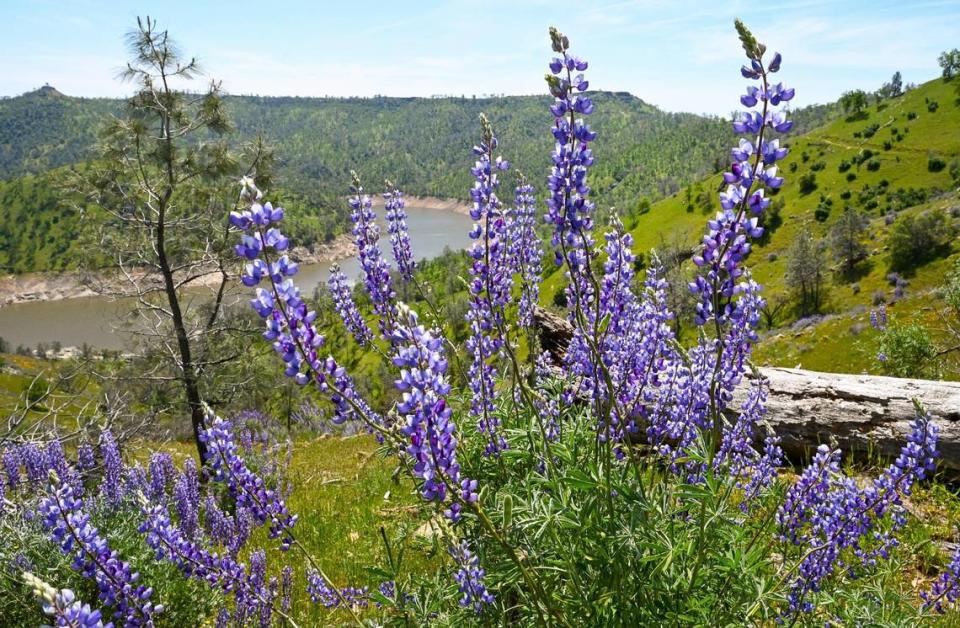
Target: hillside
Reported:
point(890, 162)
point(44, 129)
point(422, 144)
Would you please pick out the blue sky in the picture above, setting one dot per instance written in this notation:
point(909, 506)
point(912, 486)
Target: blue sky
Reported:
point(680, 56)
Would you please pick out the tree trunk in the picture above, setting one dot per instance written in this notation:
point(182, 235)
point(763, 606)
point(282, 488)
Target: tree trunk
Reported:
point(188, 369)
point(865, 415)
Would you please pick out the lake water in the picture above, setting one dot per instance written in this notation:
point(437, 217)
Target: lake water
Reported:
point(98, 321)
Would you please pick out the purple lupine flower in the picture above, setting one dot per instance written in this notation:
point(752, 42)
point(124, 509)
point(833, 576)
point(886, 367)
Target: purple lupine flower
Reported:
point(63, 607)
point(322, 592)
point(946, 588)
point(69, 526)
point(11, 466)
point(490, 286)
point(112, 468)
point(134, 480)
point(376, 270)
point(393, 205)
point(469, 578)
point(878, 318)
point(186, 498)
point(218, 524)
point(727, 241)
point(752, 470)
point(247, 487)
point(428, 424)
point(286, 588)
point(525, 249)
point(261, 605)
point(569, 209)
point(34, 462)
point(289, 323)
point(346, 307)
point(222, 572)
point(161, 474)
point(243, 525)
point(57, 461)
point(86, 457)
point(387, 589)
point(827, 513)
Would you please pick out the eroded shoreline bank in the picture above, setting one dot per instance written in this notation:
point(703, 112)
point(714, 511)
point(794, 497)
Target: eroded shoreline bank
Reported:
point(57, 286)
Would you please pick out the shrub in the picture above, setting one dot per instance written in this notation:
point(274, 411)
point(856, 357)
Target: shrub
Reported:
point(915, 240)
point(807, 183)
point(906, 350)
point(873, 165)
point(935, 163)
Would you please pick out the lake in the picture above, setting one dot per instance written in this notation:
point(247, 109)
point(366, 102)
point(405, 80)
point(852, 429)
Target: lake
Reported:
point(97, 320)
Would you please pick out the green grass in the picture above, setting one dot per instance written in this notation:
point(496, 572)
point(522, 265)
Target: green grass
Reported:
point(343, 494)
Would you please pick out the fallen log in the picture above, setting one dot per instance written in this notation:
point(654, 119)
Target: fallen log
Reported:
point(864, 415)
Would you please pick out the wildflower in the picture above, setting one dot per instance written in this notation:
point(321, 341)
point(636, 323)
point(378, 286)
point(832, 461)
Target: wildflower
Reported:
point(63, 606)
point(69, 526)
point(397, 228)
point(490, 286)
point(469, 578)
point(345, 306)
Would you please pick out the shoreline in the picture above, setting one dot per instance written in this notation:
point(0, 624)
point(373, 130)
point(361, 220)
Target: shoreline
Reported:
point(72, 284)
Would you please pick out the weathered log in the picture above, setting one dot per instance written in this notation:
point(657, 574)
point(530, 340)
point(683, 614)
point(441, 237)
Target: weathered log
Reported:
point(864, 415)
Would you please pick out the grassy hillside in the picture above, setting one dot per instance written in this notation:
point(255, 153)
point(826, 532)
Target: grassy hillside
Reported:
point(889, 156)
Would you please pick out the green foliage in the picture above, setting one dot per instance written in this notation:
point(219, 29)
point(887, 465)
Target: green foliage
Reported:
point(806, 272)
point(916, 239)
point(44, 129)
point(893, 89)
point(27, 546)
point(951, 289)
point(417, 141)
point(854, 101)
point(808, 183)
point(39, 230)
point(907, 350)
point(949, 61)
point(935, 163)
point(846, 239)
